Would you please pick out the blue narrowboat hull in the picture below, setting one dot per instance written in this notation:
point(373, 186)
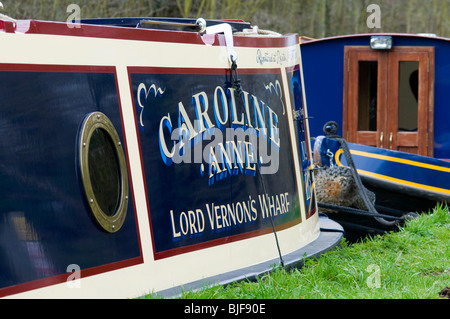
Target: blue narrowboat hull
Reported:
point(417, 176)
point(402, 181)
point(420, 176)
point(44, 207)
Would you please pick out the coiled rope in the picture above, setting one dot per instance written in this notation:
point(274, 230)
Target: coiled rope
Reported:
point(330, 130)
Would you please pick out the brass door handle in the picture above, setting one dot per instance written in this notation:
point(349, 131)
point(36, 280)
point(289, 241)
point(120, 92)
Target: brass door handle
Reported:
point(381, 139)
point(390, 140)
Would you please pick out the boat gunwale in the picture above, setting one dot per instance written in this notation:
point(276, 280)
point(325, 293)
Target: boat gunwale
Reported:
point(59, 28)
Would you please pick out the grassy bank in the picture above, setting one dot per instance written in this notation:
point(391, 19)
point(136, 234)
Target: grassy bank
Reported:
point(411, 263)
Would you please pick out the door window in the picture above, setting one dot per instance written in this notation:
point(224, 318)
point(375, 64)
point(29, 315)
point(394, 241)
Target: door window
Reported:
point(408, 90)
point(367, 95)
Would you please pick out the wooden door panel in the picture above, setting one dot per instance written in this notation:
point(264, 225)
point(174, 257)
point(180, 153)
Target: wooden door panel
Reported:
point(407, 139)
point(401, 124)
point(355, 127)
point(367, 138)
point(417, 141)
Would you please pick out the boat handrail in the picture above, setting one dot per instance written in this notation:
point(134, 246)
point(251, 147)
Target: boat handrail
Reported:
point(172, 25)
point(162, 23)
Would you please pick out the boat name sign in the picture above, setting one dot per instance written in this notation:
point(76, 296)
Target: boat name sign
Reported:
point(213, 159)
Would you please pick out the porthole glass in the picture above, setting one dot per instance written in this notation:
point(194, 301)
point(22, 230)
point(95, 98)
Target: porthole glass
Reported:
point(103, 171)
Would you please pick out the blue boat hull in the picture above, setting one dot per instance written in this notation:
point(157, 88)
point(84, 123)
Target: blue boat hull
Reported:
point(402, 182)
point(368, 112)
point(410, 174)
point(43, 207)
point(415, 175)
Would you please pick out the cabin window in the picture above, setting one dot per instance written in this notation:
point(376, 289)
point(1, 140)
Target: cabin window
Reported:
point(367, 95)
point(408, 89)
point(103, 171)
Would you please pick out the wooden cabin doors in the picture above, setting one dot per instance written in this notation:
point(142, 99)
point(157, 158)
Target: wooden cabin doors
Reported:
point(389, 98)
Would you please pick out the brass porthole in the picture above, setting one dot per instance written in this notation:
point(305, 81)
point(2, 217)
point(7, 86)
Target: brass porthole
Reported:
point(103, 171)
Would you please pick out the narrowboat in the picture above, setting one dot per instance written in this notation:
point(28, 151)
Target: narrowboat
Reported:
point(144, 155)
point(387, 96)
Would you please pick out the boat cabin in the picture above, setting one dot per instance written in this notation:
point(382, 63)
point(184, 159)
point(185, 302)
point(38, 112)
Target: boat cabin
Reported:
point(384, 90)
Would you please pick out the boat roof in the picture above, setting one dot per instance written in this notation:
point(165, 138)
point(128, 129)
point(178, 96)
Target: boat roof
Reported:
point(161, 30)
point(305, 39)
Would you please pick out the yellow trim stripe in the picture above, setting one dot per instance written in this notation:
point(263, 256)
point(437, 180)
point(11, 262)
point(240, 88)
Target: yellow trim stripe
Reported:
point(401, 181)
point(337, 157)
point(402, 161)
point(398, 160)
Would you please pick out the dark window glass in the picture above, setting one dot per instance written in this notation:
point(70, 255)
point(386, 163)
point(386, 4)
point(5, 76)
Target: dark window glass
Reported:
point(104, 171)
point(367, 95)
point(408, 90)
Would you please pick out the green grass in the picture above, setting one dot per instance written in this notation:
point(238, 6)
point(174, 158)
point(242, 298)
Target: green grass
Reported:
point(411, 263)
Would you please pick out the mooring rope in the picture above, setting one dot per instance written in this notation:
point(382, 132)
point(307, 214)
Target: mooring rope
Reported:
point(330, 129)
